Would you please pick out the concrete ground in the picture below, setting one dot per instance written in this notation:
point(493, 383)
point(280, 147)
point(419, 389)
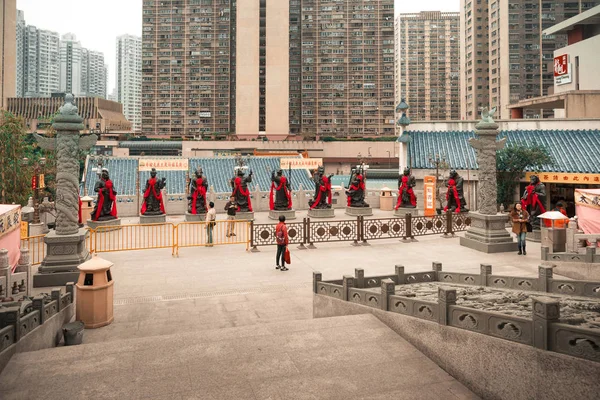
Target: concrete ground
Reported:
point(160, 299)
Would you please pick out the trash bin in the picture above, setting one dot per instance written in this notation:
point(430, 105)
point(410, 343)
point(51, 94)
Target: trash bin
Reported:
point(95, 293)
point(73, 333)
point(386, 200)
point(87, 206)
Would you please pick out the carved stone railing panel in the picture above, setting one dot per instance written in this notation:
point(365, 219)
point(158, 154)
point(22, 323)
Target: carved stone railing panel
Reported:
point(575, 341)
point(512, 282)
point(364, 297)
point(29, 322)
point(329, 289)
point(7, 337)
point(50, 309)
point(418, 277)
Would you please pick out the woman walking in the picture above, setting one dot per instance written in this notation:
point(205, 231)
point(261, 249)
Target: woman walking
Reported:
point(519, 226)
point(282, 238)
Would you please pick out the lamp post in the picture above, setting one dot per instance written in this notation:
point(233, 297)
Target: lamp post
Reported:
point(37, 183)
point(403, 139)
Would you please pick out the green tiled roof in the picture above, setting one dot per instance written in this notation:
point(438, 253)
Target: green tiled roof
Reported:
point(576, 151)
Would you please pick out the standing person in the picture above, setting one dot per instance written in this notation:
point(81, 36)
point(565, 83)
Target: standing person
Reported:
point(281, 235)
point(211, 216)
point(519, 221)
point(231, 208)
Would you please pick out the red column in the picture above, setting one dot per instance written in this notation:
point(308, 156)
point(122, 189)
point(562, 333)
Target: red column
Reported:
point(516, 113)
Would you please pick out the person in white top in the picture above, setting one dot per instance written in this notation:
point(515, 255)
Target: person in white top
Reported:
point(211, 216)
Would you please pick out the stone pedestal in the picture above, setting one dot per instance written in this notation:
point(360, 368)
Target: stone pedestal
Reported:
point(38, 229)
point(195, 217)
point(245, 216)
point(488, 234)
point(359, 211)
point(64, 254)
point(153, 219)
point(401, 212)
point(535, 236)
point(116, 223)
point(321, 213)
point(288, 214)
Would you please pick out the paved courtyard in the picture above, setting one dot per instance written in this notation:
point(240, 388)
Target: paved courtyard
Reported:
point(224, 322)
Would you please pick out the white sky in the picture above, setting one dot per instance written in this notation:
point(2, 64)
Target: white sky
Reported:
point(97, 23)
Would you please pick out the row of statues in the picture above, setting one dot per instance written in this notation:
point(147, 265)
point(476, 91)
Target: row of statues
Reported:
point(280, 197)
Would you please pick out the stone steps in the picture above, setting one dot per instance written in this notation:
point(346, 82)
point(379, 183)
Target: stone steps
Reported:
point(333, 358)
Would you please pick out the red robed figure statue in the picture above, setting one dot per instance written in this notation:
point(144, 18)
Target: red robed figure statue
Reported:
point(241, 192)
point(533, 201)
point(453, 201)
point(198, 189)
point(406, 194)
point(106, 204)
point(280, 197)
point(153, 200)
point(323, 196)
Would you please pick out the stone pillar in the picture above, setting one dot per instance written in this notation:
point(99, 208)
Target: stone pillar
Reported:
point(66, 245)
point(388, 288)
point(359, 274)
point(400, 274)
point(348, 283)
point(545, 311)
point(486, 271)
point(545, 275)
point(437, 268)
point(446, 298)
point(317, 277)
point(487, 232)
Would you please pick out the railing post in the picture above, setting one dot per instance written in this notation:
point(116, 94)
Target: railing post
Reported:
point(308, 237)
point(388, 288)
point(485, 272)
point(400, 274)
point(449, 228)
point(253, 246)
point(348, 283)
point(55, 295)
point(362, 230)
point(71, 291)
point(446, 298)
point(358, 227)
point(11, 316)
point(544, 278)
point(38, 304)
point(545, 253)
point(590, 252)
point(359, 275)
point(317, 277)
point(437, 268)
point(408, 234)
point(545, 311)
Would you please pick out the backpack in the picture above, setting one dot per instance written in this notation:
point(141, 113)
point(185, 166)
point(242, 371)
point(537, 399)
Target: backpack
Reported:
point(280, 236)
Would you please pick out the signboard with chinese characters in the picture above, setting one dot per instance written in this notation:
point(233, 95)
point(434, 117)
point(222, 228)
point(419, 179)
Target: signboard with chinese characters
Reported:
point(562, 70)
point(429, 195)
point(563, 177)
point(167, 164)
point(10, 219)
point(301, 163)
point(587, 198)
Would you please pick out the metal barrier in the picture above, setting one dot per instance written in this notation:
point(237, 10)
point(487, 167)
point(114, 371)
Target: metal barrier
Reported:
point(133, 237)
point(360, 229)
point(37, 248)
point(197, 234)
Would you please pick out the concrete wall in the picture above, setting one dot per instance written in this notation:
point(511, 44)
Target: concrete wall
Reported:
point(589, 65)
point(492, 368)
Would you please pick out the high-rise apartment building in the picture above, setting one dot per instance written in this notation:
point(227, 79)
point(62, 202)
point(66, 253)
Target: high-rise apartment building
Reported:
point(428, 64)
point(129, 78)
point(8, 50)
point(505, 56)
point(82, 71)
point(38, 61)
point(268, 66)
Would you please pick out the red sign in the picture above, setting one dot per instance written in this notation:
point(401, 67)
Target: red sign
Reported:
point(561, 65)
point(33, 183)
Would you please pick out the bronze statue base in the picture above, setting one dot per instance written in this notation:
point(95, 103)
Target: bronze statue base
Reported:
point(401, 212)
point(359, 211)
point(112, 223)
point(195, 217)
point(244, 216)
point(288, 214)
point(153, 219)
point(321, 213)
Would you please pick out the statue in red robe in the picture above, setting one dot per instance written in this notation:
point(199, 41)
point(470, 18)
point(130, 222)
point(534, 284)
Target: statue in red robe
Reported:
point(240, 191)
point(533, 201)
point(322, 198)
point(106, 204)
point(197, 197)
point(406, 194)
point(452, 197)
point(280, 197)
point(357, 189)
point(153, 200)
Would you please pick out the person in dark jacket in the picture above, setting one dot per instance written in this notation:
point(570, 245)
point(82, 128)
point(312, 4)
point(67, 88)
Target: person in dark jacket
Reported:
point(231, 208)
point(281, 235)
point(519, 219)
